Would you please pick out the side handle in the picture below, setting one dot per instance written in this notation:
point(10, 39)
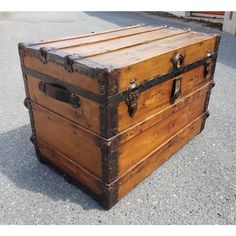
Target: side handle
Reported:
point(60, 93)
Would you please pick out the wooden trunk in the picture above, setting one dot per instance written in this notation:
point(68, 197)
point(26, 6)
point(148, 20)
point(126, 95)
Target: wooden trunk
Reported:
point(108, 108)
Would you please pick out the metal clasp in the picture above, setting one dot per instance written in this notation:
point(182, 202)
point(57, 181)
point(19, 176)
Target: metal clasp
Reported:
point(131, 101)
point(176, 90)
point(208, 65)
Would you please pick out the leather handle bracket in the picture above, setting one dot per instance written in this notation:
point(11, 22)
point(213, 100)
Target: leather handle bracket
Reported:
point(60, 93)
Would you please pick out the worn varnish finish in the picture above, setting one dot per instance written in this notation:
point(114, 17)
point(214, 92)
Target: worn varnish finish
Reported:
point(108, 108)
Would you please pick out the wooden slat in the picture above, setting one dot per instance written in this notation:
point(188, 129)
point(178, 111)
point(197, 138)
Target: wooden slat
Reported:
point(101, 38)
point(46, 43)
point(146, 166)
point(117, 44)
point(68, 138)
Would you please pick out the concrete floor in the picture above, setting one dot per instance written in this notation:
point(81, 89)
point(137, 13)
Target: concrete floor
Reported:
point(196, 186)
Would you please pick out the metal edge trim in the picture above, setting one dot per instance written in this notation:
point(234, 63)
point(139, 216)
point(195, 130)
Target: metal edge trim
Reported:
point(27, 102)
point(45, 55)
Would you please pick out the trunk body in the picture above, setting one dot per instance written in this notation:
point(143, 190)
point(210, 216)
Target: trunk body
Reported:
point(108, 108)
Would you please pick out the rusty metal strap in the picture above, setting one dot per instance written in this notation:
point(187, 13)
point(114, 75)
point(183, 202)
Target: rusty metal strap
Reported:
point(114, 99)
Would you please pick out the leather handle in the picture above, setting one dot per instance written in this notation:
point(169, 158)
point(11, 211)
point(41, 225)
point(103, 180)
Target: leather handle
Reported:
point(176, 90)
point(60, 93)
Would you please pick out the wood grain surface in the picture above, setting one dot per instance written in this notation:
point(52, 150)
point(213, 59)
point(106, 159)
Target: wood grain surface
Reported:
point(68, 138)
point(147, 165)
point(141, 145)
point(86, 115)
